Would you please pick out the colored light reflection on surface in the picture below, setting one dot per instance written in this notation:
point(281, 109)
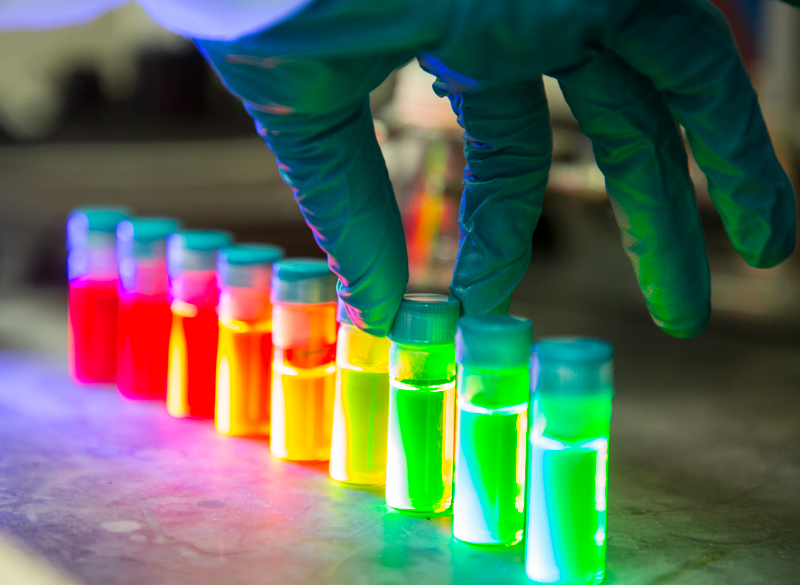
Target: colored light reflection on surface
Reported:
point(303, 380)
point(191, 381)
point(490, 474)
point(419, 466)
point(243, 377)
point(93, 330)
point(143, 352)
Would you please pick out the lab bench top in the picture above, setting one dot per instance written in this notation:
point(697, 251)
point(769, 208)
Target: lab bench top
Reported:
point(704, 481)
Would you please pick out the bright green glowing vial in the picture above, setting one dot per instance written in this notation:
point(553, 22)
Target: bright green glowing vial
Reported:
point(422, 373)
point(361, 406)
point(493, 356)
point(568, 461)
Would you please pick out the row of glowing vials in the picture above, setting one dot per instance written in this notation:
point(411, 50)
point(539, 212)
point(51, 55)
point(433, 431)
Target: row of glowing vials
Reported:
point(235, 333)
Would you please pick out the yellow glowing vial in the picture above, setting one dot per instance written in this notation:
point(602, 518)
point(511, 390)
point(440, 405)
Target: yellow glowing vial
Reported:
point(361, 407)
point(244, 356)
point(303, 364)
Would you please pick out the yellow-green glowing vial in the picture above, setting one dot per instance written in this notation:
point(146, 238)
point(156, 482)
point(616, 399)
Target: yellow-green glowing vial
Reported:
point(361, 406)
point(568, 460)
point(493, 357)
point(422, 371)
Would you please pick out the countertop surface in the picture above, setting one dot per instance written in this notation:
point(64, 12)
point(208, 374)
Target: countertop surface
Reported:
point(704, 480)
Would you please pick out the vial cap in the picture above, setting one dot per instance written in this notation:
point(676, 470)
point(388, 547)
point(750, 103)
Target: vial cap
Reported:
point(147, 229)
point(100, 220)
point(194, 250)
point(495, 341)
point(426, 318)
point(572, 365)
point(247, 265)
point(303, 280)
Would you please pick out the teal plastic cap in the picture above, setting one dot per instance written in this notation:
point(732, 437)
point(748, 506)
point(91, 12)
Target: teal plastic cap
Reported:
point(144, 237)
point(303, 280)
point(101, 220)
point(572, 365)
point(426, 318)
point(494, 341)
point(246, 265)
point(147, 229)
point(194, 250)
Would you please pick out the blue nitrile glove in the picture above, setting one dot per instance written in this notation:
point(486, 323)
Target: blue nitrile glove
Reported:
point(631, 70)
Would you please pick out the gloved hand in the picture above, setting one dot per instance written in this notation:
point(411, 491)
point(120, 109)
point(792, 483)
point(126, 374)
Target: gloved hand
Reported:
point(631, 70)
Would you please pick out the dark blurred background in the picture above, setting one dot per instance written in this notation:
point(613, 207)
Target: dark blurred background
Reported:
point(121, 111)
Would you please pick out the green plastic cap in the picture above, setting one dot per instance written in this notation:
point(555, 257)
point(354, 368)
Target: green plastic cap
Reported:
point(426, 318)
point(194, 250)
point(243, 264)
point(494, 341)
point(100, 220)
point(303, 280)
point(572, 365)
point(341, 313)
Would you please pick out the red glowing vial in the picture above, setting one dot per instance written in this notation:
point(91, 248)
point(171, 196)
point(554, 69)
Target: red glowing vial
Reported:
point(191, 376)
point(145, 318)
point(92, 274)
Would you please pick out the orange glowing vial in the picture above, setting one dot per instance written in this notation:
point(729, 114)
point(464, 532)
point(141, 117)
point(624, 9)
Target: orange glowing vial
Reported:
point(244, 354)
point(191, 373)
point(145, 318)
point(303, 365)
point(361, 407)
point(92, 274)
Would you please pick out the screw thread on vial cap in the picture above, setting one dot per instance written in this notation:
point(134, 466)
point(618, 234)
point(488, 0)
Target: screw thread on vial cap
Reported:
point(341, 313)
point(303, 280)
point(573, 366)
point(247, 265)
point(194, 250)
point(494, 341)
point(426, 318)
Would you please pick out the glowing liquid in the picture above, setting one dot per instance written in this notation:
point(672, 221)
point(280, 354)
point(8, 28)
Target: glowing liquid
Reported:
point(243, 378)
point(93, 330)
point(566, 530)
point(419, 466)
point(490, 474)
point(143, 350)
point(191, 380)
point(302, 411)
point(360, 420)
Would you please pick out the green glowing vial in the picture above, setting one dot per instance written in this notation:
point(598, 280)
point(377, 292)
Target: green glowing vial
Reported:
point(493, 357)
point(568, 461)
point(422, 374)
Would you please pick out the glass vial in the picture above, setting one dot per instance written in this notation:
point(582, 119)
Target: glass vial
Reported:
point(304, 359)
point(493, 357)
point(422, 374)
point(92, 274)
point(361, 406)
point(145, 318)
point(244, 355)
point(567, 464)
point(191, 265)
